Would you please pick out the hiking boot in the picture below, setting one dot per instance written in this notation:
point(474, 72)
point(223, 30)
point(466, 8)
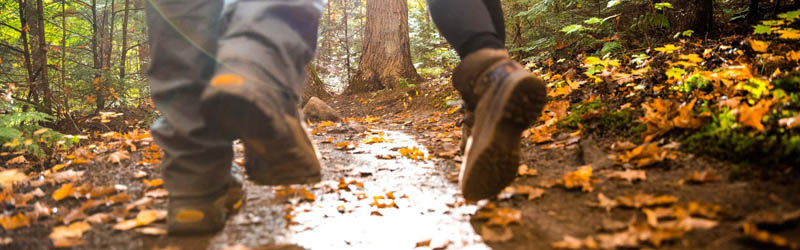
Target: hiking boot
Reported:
point(506, 100)
point(279, 150)
point(201, 215)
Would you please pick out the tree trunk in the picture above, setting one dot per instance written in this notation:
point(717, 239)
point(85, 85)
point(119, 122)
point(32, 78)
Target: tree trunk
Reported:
point(123, 55)
point(386, 55)
point(65, 97)
point(97, 63)
point(26, 54)
point(346, 39)
point(39, 55)
point(704, 17)
point(313, 86)
point(752, 14)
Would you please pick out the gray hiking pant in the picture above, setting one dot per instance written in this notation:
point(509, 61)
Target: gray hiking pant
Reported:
point(188, 40)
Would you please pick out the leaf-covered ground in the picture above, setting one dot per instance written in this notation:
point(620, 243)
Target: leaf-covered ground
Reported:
point(688, 145)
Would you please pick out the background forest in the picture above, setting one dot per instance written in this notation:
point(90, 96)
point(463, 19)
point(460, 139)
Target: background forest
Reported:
point(70, 65)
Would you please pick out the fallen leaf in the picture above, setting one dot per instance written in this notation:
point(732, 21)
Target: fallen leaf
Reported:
point(17, 160)
point(523, 170)
point(768, 218)
point(345, 145)
point(68, 236)
point(151, 231)
point(156, 193)
point(144, 218)
point(10, 177)
point(118, 156)
point(645, 200)
point(579, 178)
point(703, 177)
point(628, 175)
point(62, 192)
point(752, 232)
point(531, 192)
point(751, 116)
point(153, 183)
point(496, 234)
point(643, 155)
point(758, 46)
point(14, 222)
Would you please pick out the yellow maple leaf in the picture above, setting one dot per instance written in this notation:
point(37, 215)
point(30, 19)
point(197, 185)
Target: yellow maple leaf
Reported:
point(668, 48)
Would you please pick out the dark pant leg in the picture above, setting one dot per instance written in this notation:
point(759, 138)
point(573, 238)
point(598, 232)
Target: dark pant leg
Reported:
point(469, 25)
point(183, 36)
point(271, 41)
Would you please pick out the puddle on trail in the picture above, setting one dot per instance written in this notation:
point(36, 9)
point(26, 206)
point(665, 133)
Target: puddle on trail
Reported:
point(384, 204)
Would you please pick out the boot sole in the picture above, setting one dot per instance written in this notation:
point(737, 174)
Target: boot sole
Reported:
point(493, 149)
point(238, 117)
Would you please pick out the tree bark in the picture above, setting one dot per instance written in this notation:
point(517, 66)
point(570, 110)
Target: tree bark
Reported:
point(39, 55)
point(313, 86)
point(96, 60)
point(386, 54)
point(704, 17)
point(346, 39)
point(65, 97)
point(124, 48)
point(752, 14)
point(26, 53)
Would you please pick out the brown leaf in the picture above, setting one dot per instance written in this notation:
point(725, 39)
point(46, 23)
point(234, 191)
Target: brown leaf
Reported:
point(604, 202)
point(68, 236)
point(643, 155)
point(686, 117)
point(628, 175)
point(118, 156)
point(752, 232)
point(17, 160)
point(523, 170)
point(705, 176)
point(142, 219)
point(64, 191)
point(531, 192)
point(645, 200)
point(579, 178)
point(10, 177)
point(496, 234)
point(751, 116)
point(156, 193)
point(151, 231)
point(773, 218)
point(14, 222)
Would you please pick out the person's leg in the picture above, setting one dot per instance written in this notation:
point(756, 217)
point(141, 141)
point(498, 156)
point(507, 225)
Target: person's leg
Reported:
point(197, 161)
point(253, 95)
point(501, 98)
point(469, 25)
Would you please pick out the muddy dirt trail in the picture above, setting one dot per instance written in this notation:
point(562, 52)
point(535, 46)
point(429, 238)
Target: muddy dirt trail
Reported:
point(389, 183)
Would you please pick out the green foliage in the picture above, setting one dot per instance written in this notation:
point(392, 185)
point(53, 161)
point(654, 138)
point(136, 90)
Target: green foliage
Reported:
point(577, 111)
point(403, 83)
point(610, 47)
point(724, 138)
point(21, 132)
point(661, 6)
point(695, 81)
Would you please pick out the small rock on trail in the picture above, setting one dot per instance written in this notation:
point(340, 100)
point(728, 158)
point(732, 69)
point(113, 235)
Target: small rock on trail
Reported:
point(318, 110)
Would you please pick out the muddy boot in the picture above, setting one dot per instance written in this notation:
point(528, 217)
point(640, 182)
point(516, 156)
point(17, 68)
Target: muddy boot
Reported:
point(506, 100)
point(200, 215)
point(279, 150)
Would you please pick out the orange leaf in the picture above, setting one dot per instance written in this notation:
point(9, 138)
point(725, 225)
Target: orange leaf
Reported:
point(14, 222)
point(68, 236)
point(153, 183)
point(63, 192)
point(751, 116)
